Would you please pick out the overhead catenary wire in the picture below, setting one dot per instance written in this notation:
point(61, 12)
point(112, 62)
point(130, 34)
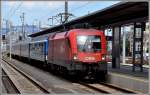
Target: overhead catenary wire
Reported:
point(76, 8)
point(10, 24)
point(13, 12)
point(11, 9)
point(53, 10)
point(80, 6)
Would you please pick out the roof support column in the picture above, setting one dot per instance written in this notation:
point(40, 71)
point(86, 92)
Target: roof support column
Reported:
point(139, 29)
point(116, 47)
point(124, 46)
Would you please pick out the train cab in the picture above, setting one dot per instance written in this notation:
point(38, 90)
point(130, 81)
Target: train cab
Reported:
point(88, 48)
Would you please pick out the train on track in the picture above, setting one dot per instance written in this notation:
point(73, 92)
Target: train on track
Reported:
point(77, 51)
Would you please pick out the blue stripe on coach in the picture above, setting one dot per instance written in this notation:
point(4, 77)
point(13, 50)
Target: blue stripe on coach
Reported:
point(46, 47)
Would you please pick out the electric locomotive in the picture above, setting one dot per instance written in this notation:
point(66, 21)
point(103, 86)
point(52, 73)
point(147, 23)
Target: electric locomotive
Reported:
point(78, 51)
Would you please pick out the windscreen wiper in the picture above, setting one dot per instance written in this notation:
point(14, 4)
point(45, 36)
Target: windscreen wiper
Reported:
point(83, 48)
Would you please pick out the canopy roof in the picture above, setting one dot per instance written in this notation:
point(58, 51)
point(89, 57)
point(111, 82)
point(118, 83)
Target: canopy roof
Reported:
point(117, 14)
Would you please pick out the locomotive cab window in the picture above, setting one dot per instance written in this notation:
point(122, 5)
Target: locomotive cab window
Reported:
point(90, 43)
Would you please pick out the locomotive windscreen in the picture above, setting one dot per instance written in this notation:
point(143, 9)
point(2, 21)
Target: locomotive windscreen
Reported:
point(90, 43)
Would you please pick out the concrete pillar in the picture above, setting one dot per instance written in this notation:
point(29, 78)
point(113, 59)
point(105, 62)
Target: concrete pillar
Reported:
point(124, 46)
point(116, 47)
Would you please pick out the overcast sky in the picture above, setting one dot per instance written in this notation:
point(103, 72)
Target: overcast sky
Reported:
point(42, 10)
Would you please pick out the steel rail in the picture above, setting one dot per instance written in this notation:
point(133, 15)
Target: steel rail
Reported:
point(118, 88)
point(109, 86)
point(94, 88)
point(5, 83)
point(36, 83)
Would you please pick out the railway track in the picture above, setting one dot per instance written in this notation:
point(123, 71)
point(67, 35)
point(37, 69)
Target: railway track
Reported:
point(95, 87)
point(35, 86)
point(8, 86)
point(107, 88)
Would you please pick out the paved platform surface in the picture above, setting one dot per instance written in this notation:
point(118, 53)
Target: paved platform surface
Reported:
point(126, 78)
point(127, 70)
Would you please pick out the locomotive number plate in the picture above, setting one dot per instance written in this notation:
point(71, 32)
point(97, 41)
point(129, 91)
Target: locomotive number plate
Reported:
point(89, 58)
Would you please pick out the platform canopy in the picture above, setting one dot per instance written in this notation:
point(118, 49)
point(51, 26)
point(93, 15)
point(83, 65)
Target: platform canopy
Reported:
point(117, 14)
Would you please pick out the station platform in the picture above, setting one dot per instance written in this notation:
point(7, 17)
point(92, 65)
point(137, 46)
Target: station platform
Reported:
point(126, 78)
point(127, 70)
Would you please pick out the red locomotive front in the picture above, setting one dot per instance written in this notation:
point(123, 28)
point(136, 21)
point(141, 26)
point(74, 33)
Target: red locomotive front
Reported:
point(88, 46)
point(88, 50)
point(80, 51)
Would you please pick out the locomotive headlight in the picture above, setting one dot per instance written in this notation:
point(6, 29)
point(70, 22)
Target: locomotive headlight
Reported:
point(103, 57)
point(75, 57)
